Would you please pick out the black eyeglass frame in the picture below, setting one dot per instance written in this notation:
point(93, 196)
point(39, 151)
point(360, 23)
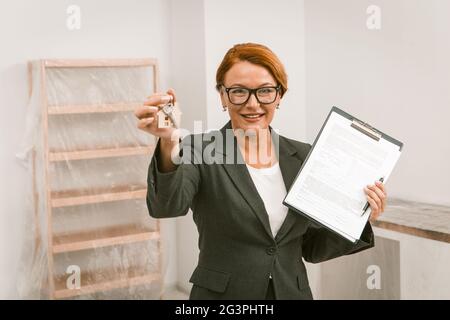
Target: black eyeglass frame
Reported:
point(251, 92)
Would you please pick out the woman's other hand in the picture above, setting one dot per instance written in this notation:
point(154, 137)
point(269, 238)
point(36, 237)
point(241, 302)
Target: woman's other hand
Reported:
point(376, 197)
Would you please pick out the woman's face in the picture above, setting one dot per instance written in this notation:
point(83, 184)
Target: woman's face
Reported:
point(251, 115)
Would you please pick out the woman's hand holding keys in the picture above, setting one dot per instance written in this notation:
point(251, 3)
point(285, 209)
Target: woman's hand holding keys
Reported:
point(147, 114)
point(148, 122)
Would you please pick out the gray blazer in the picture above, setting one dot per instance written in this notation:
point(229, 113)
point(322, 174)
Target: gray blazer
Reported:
point(237, 250)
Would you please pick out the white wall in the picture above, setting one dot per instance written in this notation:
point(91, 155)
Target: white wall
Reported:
point(37, 29)
point(395, 78)
point(189, 81)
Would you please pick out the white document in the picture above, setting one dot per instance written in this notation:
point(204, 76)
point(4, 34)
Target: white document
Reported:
point(344, 160)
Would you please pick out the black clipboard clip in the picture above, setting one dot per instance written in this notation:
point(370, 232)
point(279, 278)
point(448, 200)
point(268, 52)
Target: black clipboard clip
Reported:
point(366, 129)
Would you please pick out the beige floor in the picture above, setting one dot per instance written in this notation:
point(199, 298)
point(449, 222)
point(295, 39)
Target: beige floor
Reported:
point(175, 294)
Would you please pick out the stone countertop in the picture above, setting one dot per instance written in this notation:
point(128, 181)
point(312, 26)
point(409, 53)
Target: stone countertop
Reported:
point(419, 219)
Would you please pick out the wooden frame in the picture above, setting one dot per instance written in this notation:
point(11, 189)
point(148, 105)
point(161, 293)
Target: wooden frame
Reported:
point(113, 280)
point(92, 108)
point(99, 238)
point(93, 63)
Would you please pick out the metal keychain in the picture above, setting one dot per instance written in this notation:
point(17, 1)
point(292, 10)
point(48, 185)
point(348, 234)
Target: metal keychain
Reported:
point(168, 110)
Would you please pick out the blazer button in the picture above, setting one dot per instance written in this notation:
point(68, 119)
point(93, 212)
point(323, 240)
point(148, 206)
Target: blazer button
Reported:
point(271, 251)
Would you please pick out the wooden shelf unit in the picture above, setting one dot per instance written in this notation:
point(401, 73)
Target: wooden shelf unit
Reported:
point(99, 63)
point(99, 238)
point(81, 197)
point(102, 238)
point(56, 156)
point(93, 108)
point(109, 280)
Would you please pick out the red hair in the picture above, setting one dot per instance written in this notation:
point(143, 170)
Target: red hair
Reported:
point(256, 54)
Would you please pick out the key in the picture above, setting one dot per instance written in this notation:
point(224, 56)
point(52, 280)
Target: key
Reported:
point(168, 110)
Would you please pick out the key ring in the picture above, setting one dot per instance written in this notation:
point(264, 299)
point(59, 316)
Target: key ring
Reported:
point(168, 111)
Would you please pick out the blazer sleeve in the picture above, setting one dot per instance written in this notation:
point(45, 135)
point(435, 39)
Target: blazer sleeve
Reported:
point(171, 194)
point(320, 244)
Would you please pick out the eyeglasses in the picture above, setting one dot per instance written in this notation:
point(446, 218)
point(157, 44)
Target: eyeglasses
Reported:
point(240, 95)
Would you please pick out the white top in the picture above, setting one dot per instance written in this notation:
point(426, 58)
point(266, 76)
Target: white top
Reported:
point(270, 185)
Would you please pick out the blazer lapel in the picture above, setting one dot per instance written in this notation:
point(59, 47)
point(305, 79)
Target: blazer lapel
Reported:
point(290, 166)
point(241, 177)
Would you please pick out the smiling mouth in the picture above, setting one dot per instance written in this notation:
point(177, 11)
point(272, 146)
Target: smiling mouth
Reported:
point(253, 116)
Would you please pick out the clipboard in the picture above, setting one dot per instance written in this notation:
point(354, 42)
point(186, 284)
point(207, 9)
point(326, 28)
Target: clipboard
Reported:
point(364, 132)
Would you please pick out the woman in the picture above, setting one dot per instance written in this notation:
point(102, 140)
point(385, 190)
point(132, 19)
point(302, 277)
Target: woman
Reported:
point(251, 245)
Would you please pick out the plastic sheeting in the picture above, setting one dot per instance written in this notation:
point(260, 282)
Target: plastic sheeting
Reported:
point(81, 241)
